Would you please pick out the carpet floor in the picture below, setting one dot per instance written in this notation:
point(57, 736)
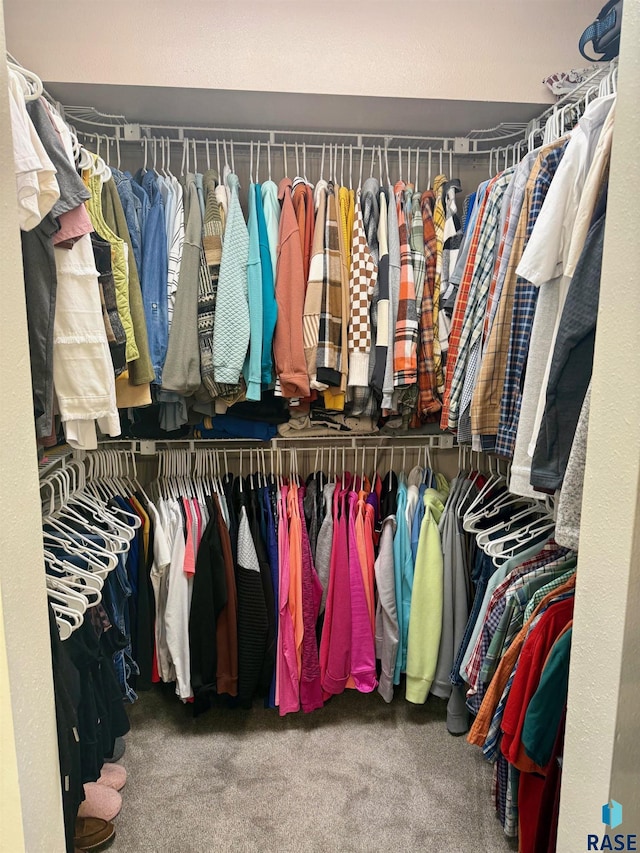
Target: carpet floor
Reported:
point(357, 775)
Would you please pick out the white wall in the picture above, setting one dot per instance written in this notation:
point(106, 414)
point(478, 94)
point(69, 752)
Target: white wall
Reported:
point(486, 50)
point(24, 639)
point(609, 562)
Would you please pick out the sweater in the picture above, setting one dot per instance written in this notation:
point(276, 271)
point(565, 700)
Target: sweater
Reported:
point(288, 347)
point(231, 330)
point(181, 371)
point(269, 304)
point(425, 620)
point(252, 370)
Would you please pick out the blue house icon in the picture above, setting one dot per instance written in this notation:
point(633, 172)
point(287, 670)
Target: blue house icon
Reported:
point(612, 814)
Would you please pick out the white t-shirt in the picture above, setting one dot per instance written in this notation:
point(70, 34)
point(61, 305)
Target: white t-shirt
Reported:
point(36, 185)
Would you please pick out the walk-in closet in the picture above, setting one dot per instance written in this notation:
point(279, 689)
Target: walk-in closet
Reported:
point(321, 446)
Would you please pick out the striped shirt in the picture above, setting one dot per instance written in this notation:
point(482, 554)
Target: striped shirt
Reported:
point(524, 306)
point(460, 309)
point(485, 402)
point(478, 291)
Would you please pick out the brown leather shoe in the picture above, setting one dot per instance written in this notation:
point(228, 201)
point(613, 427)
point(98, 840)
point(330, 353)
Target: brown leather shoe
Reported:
point(91, 833)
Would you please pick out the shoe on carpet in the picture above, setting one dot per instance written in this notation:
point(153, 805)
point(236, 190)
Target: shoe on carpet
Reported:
point(118, 750)
point(100, 801)
point(113, 776)
point(91, 833)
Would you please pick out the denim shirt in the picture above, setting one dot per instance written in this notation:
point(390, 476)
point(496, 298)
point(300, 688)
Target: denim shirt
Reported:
point(132, 208)
point(154, 271)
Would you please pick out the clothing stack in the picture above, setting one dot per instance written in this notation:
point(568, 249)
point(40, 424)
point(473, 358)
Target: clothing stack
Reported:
point(523, 328)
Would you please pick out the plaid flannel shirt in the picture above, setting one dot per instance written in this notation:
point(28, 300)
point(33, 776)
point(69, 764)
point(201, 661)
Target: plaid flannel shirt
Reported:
point(512, 620)
point(406, 332)
point(428, 402)
point(418, 250)
point(485, 402)
point(494, 613)
point(460, 309)
point(439, 220)
point(478, 292)
point(524, 307)
point(537, 597)
point(329, 354)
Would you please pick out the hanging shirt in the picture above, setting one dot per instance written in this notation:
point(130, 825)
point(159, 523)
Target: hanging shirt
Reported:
point(406, 328)
point(363, 278)
point(269, 304)
point(231, 328)
point(313, 296)
point(387, 634)
point(425, 621)
point(329, 356)
point(288, 347)
point(252, 369)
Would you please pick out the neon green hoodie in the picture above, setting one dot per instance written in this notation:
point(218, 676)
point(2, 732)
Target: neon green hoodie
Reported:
point(425, 619)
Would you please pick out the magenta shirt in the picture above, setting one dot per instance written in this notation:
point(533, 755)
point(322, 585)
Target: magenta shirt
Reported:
point(288, 687)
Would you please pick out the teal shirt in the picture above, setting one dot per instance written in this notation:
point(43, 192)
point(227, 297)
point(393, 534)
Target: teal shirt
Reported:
point(252, 370)
point(547, 704)
point(269, 304)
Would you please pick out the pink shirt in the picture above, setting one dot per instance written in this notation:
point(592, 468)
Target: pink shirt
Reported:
point(288, 685)
point(335, 645)
point(363, 656)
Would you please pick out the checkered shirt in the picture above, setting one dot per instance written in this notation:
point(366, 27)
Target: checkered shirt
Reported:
point(524, 307)
point(517, 598)
point(478, 292)
point(496, 608)
point(485, 402)
point(364, 274)
point(460, 309)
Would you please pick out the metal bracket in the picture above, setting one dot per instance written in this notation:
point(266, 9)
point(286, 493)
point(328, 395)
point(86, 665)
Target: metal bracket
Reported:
point(132, 132)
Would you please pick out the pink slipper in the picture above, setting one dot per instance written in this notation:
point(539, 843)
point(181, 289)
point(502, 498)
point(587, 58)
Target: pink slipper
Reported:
point(113, 776)
point(100, 801)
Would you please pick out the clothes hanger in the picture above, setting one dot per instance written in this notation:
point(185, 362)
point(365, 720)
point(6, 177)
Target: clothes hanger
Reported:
point(63, 568)
point(507, 527)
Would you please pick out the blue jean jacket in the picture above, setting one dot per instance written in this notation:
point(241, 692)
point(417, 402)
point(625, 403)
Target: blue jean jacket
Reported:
point(154, 273)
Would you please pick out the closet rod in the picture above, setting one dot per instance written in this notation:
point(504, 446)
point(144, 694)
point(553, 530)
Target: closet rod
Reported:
point(148, 447)
point(448, 147)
